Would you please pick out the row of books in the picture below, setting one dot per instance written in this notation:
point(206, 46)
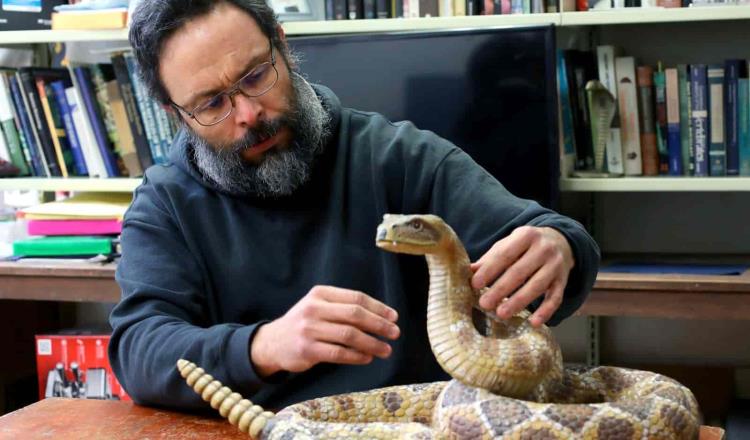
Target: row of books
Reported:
point(92, 120)
point(686, 120)
point(369, 9)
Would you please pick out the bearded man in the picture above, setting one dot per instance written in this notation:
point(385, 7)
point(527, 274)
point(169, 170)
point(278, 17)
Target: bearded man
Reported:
point(251, 252)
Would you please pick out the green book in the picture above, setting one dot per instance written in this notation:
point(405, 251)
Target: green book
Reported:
point(62, 246)
point(686, 136)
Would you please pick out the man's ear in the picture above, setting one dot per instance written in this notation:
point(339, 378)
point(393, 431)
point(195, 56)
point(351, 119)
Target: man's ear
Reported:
point(282, 35)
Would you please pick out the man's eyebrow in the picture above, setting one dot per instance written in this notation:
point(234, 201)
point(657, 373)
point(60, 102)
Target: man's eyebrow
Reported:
point(197, 98)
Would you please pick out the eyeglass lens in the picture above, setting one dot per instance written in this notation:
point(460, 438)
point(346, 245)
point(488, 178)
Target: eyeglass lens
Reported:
point(257, 82)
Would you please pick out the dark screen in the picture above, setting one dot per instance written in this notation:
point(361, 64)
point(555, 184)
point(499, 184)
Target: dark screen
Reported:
point(491, 92)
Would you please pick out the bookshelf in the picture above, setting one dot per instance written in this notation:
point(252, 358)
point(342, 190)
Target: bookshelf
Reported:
point(83, 184)
point(652, 184)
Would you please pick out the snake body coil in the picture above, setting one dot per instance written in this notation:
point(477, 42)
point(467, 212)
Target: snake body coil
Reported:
point(508, 381)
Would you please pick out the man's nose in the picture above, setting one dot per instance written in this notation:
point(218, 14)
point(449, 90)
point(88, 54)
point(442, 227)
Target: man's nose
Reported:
point(247, 111)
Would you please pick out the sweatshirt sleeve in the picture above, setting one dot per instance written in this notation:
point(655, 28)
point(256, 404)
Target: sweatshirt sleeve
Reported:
point(161, 317)
point(482, 212)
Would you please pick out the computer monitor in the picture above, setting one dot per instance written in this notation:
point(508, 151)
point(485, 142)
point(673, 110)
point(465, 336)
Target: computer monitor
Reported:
point(491, 91)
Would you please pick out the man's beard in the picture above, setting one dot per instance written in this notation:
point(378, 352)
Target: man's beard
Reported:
point(282, 169)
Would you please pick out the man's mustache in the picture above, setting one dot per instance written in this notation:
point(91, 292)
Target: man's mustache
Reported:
point(264, 130)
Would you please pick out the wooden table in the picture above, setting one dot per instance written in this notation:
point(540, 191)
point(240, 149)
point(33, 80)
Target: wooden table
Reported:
point(101, 420)
point(656, 296)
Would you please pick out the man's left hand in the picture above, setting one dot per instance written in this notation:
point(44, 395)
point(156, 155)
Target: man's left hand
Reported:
point(528, 263)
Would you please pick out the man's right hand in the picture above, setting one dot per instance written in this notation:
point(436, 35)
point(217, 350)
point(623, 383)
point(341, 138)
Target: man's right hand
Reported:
point(329, 324)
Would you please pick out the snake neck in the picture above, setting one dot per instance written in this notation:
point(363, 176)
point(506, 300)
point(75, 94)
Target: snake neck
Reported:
point(513, 361)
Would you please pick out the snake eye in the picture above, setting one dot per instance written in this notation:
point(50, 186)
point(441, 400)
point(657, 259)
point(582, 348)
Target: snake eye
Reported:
point(417, 225)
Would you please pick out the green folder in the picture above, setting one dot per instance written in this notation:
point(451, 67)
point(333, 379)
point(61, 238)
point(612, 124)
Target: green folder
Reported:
point(62, 246)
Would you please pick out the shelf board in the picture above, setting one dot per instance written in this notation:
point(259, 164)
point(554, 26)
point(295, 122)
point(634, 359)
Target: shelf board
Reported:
point(654, 15)
point(411, 24)
point(655, 184)
point(20, 37)
point(589, 18)
point(71, 184)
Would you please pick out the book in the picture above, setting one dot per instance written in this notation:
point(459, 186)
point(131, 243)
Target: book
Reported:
point(62, 245)
point(717, 153)
point(79, 162)
point(127, 94)
point(627, 103)
point(686, 136)
point(35, 158)
point(81, 206)
point(9, 129)
point(699, 117)
point(660, 102)
point(91, 109)
point(115, 18)
point(74, 227)
point(732, 69)
point(567, 135)
point(127, 151)
point(646, 112)
point(674, 135)
point(743, 102)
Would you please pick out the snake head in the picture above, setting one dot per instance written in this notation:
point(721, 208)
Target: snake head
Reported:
point(411, 234)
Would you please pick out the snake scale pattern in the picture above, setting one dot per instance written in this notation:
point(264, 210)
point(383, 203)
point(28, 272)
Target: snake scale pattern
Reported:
point(509, 381)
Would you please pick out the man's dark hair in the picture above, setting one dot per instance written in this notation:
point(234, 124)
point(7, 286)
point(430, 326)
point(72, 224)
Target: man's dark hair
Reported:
point(153, 21)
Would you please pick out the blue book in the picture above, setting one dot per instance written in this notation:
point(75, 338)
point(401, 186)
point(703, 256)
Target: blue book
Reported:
point(75, 146)
point(699, 117)
point(569, 149)
point(90, 105)
point(743, 90)
point(731, 116)
point(36, 161)
point(717, 152)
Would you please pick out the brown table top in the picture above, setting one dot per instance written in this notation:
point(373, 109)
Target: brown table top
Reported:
point(102, 420)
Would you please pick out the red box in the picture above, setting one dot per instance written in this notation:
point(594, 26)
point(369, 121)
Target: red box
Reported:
point(88, 351)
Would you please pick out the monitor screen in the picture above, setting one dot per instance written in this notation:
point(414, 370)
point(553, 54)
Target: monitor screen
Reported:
point(490, 91)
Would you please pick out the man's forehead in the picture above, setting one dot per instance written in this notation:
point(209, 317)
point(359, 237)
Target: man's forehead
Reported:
point(209, 51)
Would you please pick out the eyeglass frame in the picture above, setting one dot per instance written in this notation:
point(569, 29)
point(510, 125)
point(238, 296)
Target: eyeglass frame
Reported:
point(231, 91)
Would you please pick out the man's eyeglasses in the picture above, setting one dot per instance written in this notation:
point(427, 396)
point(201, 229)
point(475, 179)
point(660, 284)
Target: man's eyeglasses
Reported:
point(255, 83)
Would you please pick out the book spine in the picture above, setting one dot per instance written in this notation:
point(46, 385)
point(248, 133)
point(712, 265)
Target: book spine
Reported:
point(355, 9)
point(369, 9)
point(47, 111)
point(627, 100)
point(142, 147)
point(89, 147)
point(38, 129)
point(649, 149)
point(699, 117)
point(97, 124)
point(660, 107)
point(674, 146)
point(685, 134)
point(8, 124)
point(382, 9)
point(743, 102)
point(75, 146)
point(37, 165)
point(142, 99)
point(717, 153)
point(568, 150)
point(731, 116)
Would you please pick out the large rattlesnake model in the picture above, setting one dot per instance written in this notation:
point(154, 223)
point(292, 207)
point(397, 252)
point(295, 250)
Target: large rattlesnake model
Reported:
point(509, 381)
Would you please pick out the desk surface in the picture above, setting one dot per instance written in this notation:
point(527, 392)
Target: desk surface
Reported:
point(614, 294)
point(99, 419)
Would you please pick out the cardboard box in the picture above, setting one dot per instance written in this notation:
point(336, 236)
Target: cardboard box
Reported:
point(88, 354)
point(27, 15)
